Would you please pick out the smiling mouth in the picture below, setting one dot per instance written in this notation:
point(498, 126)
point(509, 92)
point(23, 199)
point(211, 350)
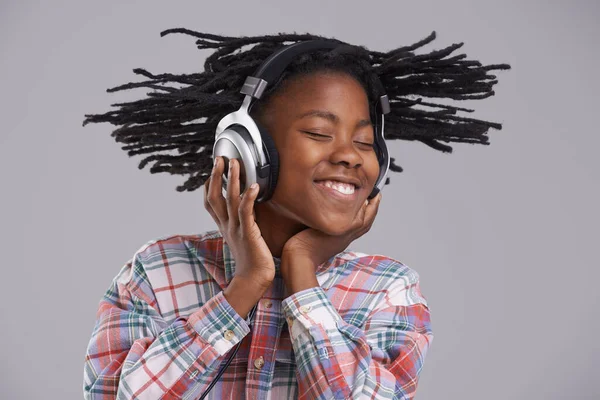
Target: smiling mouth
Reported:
point(339, 190)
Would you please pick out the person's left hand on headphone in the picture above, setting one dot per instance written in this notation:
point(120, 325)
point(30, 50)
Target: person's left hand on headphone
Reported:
point(308, 249)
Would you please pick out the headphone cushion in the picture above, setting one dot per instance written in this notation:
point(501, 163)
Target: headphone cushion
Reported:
point(269, 147)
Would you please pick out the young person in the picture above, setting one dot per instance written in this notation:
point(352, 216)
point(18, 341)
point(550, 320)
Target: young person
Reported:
point(312, 319)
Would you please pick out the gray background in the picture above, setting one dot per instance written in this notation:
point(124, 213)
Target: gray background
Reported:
point(504, 237)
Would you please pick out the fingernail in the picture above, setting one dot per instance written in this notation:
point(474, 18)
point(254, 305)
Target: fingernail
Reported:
point(215, 161)
point(253, 186)
point(366, 202)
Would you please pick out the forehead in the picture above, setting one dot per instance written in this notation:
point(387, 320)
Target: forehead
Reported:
point(322, 90)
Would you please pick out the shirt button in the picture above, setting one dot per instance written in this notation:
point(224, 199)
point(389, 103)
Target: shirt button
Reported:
point(259, 362)
point(268, 303)
point(304, 309)
point(228, 334)
point(290, 321)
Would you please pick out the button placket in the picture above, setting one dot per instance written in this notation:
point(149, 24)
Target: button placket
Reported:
point(259, 363)
point(261, 360)
point(262, 354)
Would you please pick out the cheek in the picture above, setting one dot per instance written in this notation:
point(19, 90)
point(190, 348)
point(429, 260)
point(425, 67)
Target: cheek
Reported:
point(296, 164)
point(293, 176)
point(372, 168)
point(293, 184)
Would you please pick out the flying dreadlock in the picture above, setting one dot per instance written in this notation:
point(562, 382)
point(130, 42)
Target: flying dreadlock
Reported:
point(182, 111)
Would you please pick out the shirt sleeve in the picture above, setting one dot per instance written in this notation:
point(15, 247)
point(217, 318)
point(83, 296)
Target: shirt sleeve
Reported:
point(338, 360)
point(135, 353)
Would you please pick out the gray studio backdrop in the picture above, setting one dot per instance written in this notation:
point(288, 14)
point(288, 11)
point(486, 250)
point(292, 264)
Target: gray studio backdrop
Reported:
point(504, 237)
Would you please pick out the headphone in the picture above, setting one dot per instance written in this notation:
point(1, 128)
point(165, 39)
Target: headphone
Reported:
point(239, 136)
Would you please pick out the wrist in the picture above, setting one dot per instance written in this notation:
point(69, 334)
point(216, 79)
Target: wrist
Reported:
point(290, 257)
point(298, 272)
point(296, 285)
point(242, 294)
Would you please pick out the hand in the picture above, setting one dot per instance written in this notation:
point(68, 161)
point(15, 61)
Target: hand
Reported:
point(311, 248)
point(254, 265)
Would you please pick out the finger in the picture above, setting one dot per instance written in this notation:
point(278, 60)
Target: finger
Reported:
point(371, 211)
point(359, 218)
point(233, 192)
point(246, 209)
point(207, 205)
point(215, 195)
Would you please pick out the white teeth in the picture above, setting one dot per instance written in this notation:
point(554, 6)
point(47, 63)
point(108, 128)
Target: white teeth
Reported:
point(345, 188)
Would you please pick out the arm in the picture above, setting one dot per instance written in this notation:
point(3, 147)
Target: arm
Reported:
point(339, 360)
point(134, 353)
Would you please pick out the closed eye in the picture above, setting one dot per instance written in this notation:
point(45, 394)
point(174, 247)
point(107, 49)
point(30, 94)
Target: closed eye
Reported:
point(372, 145)
point(316, 135)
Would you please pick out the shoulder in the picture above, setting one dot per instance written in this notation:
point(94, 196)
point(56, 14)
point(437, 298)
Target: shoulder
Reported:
point(176, 244)
point(153, 256)
point(379, 265)
point(383, 275)
point(176, 273)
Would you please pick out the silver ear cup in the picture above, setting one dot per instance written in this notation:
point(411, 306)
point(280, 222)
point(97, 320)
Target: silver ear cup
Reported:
point(235, 142)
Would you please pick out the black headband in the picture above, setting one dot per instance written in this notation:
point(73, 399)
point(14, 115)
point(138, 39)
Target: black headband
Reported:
point(272, 68)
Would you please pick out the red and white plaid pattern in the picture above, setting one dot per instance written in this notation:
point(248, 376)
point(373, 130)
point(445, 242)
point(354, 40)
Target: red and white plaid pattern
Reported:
point(164, 327)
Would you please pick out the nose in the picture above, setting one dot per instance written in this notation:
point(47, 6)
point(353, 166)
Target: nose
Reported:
point(345, 152)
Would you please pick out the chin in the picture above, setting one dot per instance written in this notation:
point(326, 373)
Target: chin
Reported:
point(334, 226)
point(328, 217)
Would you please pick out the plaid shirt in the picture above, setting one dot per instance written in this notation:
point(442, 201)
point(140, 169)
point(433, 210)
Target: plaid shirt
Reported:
point(164, 327)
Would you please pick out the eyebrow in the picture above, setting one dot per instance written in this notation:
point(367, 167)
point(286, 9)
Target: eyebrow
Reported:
point(331, 117)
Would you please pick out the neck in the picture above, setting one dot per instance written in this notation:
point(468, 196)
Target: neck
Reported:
point(276, 228)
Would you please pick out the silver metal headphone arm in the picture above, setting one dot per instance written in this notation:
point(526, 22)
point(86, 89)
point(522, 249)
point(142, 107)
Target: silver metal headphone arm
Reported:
point(243, 118)
point(386, 167)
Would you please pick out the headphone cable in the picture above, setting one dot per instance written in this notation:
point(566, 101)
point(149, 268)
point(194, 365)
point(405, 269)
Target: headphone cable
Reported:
point(235, 350)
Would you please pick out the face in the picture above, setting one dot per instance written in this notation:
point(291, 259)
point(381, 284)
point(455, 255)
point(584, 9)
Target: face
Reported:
point(322, 130)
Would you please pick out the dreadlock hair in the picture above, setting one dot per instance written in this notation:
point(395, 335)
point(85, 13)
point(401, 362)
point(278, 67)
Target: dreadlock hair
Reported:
point(182, 111)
